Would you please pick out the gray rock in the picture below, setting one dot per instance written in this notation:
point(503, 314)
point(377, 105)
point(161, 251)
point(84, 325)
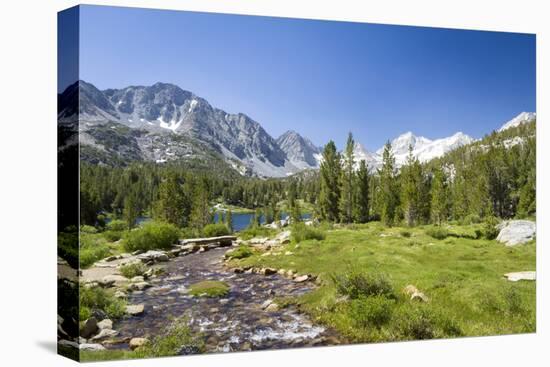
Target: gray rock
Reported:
point(516, 232)
point(113, 280)
point(134, 310)
point(68, 343)
point(273, 307)
point(301, 278)
point(137, 342)
point(104, 334)
point(105, 324)
point(89, 328)
point(521, 275)
point(91, 347)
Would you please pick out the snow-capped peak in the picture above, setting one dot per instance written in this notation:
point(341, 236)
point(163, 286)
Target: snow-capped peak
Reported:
point(518, 120)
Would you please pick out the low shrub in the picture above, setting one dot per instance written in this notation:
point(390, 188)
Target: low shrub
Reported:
point(416, 323)
point(438, 233)
point(67, 247)
point(405, 233)
point(371, 311)
point(87, 229)
point(301, 232)
point(188, 233)
point(100, 299)
point(117, 225)
point(422, 321)
point(215, 230)
point(490, 230)
point(133, 269)
point(356, 283)
point(112, 236)
point(152, 235)
point(240, 252)
point(92, 248)
point(471, 219)
point(252, 232)
point(176, 339)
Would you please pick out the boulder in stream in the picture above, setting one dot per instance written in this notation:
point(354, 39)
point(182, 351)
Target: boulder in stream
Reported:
point(134, 310)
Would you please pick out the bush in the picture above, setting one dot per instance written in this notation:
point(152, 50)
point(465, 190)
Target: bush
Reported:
point(416, 323)
point(100, 299)
point(438, 233)
point(405, 233)
point(92, 249)
point(112, 236)
point(67, 247)
point(490, 230)
point(421, 321)
point(301, 232)
point(117, 225)
point(471, 219)
point(240, 252)
point(372, 311)
point(252, 232)
point(133, 269)
point(152, 235)
point(215, 230)
point(176, 337)
point(356, 284)
point(87, 229)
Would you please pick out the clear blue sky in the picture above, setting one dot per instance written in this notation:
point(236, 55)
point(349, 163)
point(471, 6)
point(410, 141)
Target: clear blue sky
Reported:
point(319, 78)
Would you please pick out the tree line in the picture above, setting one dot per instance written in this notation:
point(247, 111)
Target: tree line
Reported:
point(492, 177)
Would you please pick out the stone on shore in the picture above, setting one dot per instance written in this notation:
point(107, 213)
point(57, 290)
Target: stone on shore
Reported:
point(521, 275)
point(301, 278)
point(105, 324)
point(137, 342)
point(91, 347)
point(89, 328)
point(134, 310)
point(516, 232)
point(104, 334)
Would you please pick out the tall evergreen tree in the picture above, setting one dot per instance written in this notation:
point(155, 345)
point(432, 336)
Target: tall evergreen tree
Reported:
point(347, 199)
point(411, 189)
point(200, 212)
point(131, 210)
point(362, 208)
point(329, 193)
point(440, 197)
point(229, 220)
point(172, 206)
point(389, 195)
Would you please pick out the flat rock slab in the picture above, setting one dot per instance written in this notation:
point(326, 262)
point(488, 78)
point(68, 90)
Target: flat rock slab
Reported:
point(134, 310)
point(516, 232)
point(521, 275)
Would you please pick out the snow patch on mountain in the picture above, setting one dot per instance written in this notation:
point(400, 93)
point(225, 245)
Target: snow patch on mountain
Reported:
point(522, 118)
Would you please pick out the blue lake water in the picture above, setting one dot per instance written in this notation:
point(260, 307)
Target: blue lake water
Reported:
point(240, 220)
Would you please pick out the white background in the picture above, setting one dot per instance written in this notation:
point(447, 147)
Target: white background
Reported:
point(28, 181)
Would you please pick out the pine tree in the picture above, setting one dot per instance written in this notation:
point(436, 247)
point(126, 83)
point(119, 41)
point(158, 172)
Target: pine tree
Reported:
point(172, 206)
point(229, 221)
point(131, 211)
point(200, 212)
point(389, 196)
point(329, 193)
point(347, 200)
point(362, 194)
point(411, 189)
point(440, 197)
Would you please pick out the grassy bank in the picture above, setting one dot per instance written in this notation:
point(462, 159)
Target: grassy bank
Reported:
point(461, 276)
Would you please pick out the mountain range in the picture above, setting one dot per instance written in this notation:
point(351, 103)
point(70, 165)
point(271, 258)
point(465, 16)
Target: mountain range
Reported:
point(163, 122)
